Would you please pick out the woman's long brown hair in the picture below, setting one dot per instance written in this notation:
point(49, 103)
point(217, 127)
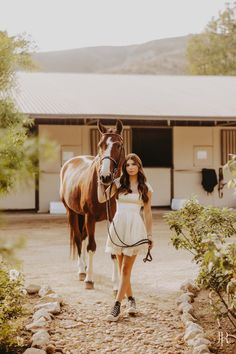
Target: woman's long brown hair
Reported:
point(125, 182)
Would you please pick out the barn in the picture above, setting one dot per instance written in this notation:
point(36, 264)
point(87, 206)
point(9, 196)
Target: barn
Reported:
point(178, 125)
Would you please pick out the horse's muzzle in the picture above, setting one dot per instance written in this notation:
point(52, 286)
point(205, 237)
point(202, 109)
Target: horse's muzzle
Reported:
point(106, 180)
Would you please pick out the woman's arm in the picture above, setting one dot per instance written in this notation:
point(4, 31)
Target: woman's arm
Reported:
point(104, 194)
point(147, 215)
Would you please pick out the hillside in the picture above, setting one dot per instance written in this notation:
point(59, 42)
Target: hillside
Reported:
point(163, 56)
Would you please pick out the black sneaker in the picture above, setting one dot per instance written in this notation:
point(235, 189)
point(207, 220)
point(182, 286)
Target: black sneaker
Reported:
point(115, 312)
point(131, 306)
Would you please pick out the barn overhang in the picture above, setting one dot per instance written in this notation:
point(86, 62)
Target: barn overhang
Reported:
point(132, 120)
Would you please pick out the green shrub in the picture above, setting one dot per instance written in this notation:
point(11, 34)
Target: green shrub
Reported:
point(11, 310)
point(205, 233)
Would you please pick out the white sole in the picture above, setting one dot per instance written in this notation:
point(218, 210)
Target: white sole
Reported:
point(111, 318)
point(132, 311)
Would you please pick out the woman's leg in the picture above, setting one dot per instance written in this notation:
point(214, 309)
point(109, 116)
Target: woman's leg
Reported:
point(125, 265)
point(129, 291)
point(125, 273)
point(120, 260)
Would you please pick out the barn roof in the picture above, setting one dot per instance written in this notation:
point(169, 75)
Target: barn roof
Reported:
point(131, 96)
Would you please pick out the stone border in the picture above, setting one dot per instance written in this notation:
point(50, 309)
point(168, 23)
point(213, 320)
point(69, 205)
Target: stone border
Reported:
point(194, 334)
point(48, 305)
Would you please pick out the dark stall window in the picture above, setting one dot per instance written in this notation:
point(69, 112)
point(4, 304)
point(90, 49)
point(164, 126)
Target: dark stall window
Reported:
point(154, 146)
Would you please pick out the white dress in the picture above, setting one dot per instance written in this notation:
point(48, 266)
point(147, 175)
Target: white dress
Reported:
point(128, 224)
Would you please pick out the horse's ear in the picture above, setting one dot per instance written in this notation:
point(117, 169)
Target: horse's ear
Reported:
point(119, 127)
point(101, 128)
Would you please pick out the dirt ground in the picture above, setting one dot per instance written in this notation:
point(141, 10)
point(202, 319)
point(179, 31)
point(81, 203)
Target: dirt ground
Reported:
point(46, 260)
point(221, 334)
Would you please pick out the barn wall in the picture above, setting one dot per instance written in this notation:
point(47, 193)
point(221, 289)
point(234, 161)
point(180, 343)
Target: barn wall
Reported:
point(160, 180)
point(23, 197)
point(78, 137)
point(186, 172)
point(70, 139)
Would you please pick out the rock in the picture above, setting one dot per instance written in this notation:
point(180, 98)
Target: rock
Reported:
point(191, 326)
point(52, 297)
point(52, 307)
point(185, 307)
point(45, 290)
point(187, 317)
point(201, 349)
point(42, 313)
point(184, 298)
point(67, 324)
point(32, 289)
point(36, 325)
point(192, 295)
point(192, 333)
point(179, 336)
point(198, 341)
point(190, 286)
point(50, 349)
point(146, 342)
point(40, 339)
point(34, 351)
point(107, 339)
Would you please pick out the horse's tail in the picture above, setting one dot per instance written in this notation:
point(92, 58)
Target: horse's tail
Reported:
point(76, 223)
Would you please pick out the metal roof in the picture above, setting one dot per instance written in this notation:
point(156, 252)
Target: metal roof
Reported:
point(131, 96)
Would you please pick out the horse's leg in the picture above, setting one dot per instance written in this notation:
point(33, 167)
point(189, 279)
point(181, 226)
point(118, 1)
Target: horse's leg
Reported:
point(82, 261)
point(91, 248)
point(115, 274)
point(82, 257)
point(75, 233)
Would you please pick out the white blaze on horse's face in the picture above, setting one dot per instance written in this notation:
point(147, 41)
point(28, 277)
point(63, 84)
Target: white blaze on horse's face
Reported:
point(105, 170)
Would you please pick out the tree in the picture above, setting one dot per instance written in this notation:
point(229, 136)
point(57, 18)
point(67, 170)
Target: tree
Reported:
point(18, 160)
point(14, 126)
point(213, 52)
point(18, 148)
point(14, 52)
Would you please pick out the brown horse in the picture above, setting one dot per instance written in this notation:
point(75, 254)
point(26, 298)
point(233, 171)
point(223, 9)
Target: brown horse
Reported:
point(78, 192)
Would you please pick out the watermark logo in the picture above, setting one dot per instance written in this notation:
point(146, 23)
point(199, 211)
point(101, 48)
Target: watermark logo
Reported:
point(223, 338)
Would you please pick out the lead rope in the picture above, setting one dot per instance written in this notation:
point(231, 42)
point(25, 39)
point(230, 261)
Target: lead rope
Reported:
point(148, 257)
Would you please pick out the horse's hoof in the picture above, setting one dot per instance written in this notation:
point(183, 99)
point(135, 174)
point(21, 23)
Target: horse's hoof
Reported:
point(115, 292)
point(82, 276)
point(89, 285)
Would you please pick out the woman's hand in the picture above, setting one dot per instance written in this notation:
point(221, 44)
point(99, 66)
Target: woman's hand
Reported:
point(105, 193)
point(151, 243)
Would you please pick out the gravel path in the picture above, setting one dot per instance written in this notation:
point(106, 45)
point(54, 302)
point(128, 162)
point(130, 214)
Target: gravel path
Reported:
point(84, 330)
point(81, 327)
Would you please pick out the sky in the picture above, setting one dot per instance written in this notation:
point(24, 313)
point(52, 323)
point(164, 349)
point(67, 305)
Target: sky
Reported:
point(67, 24)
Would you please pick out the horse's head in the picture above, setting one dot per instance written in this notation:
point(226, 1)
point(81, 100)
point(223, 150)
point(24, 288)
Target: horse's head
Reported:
point(111, 152)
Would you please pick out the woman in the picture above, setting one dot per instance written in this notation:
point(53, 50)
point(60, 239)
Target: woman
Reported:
point(132, 192)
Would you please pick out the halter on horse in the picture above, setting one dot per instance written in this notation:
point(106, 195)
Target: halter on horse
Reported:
point(78, 191)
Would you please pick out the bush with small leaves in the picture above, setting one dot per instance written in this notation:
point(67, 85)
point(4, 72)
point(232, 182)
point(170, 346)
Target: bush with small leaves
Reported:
point(11, 310)
point(208, 234)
